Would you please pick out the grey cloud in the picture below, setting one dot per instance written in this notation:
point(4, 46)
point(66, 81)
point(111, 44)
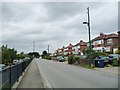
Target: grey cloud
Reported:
point(62, 10)
point(15, 11)
point(56, 24)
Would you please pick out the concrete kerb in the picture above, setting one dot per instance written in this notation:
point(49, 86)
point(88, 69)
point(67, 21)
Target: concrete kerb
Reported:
point(19, 79)
point(46, 83)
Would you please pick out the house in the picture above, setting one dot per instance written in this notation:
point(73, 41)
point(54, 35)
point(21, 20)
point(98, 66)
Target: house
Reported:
point(65, 51)
point(79, 47)
point(76, 49)
point(68, 50)
point(105, 42)
point(60, 51)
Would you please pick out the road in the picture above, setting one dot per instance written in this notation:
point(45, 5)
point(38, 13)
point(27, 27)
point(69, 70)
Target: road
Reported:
point(61, 75)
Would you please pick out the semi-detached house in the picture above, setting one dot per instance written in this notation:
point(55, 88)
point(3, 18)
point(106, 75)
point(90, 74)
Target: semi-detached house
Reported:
point(105, 42)
point(72, 49)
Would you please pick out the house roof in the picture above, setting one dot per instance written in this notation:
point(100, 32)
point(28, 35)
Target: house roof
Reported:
point(77, 44)
point(80, 43)
point(83, 43)
point(104, 36)
point(69, 46)
point(112, 35)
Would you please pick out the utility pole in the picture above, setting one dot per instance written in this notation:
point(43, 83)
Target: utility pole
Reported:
point(90, 46)
point(33, 46)
point(118, 37)
point(48, 49)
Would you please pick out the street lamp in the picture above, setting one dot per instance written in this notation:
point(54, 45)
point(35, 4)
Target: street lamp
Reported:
point(90, 46)
point(85, 22)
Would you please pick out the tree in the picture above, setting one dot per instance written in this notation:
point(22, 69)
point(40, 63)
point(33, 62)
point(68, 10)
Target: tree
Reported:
point(21, 56)
point(34, 54)
point(44, 52)
point(46, 55)
point(8, 54)
point(118, 50)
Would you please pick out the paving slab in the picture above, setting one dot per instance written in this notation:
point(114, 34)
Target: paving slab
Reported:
point(32, 77)
point(113, 70)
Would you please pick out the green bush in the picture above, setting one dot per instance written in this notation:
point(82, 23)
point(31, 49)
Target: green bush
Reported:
point(76, 59)
point(118, 50)
point(96, 54)
point(48, 58)
point(70, 59)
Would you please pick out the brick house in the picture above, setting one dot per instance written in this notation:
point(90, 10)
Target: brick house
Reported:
point(105, 42)
point(65, 51)
point(60, 51)
point(79, 47)
point(76, 49)
point(68, 50)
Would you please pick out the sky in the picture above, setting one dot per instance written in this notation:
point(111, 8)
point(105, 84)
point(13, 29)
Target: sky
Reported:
point(56, 24)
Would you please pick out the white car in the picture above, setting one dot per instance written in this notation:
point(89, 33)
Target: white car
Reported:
point(15, 61)
point(114, 56)
point(2, 66)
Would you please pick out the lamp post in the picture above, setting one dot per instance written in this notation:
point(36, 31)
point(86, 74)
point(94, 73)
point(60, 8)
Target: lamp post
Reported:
point(90, 46)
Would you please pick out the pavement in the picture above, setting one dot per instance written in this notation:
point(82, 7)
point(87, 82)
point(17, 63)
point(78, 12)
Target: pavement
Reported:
point(113, 70)
point(32, 77)
point(62, 75)
point(110, 69)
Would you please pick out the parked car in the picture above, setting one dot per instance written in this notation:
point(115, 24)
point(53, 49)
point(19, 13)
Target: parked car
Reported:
point(60, 59)
point(105, 58)
point(114, 56)
point(2, 66)
point(15, 61)
point(83, 57)
point(20, 61)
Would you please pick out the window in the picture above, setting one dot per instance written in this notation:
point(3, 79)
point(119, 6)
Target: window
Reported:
point(109, 41)
point(98, 42)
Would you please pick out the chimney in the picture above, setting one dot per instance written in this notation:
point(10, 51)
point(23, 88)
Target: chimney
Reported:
point(81, 40)
point(101, 34)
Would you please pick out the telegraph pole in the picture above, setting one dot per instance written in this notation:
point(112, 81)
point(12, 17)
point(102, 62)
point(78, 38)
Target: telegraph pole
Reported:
point(33, 46)
point(90, 46)
point(48, 49)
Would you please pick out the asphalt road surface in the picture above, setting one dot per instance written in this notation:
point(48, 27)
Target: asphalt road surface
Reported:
point(61, 75)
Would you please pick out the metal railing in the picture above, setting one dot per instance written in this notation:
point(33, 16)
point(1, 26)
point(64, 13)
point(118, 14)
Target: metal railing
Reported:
point(11, 74)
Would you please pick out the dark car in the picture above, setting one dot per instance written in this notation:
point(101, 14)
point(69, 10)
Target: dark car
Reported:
point(60, 59)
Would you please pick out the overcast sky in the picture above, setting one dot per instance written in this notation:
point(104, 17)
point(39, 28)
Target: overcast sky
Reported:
point(54, 23)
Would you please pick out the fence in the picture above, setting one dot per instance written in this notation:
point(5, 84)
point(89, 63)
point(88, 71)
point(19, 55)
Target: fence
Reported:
point(84, 62)
point(87, 62)
point(11, 74)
